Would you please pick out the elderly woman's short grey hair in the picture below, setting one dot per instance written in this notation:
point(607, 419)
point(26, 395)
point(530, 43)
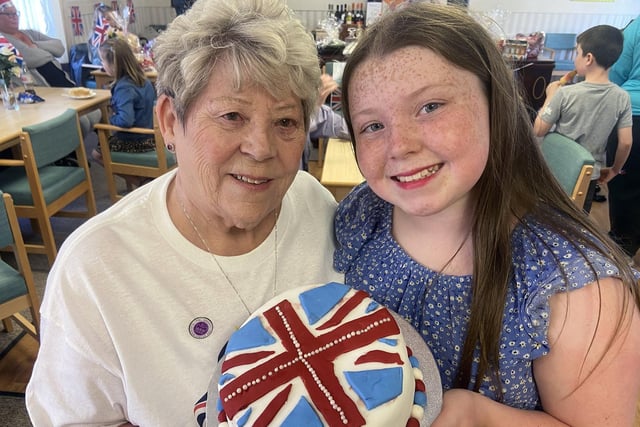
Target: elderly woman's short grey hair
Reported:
point(261, 39)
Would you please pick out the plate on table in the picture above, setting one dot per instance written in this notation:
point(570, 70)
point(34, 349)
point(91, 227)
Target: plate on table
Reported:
point(91, 94)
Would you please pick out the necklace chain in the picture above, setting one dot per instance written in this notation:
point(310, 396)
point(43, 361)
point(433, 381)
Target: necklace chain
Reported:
point(224, 273)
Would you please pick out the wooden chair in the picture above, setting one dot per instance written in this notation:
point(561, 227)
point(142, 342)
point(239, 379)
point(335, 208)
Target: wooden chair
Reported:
point(570, 163)
point(41, 188)
point(150, 164)
point(561, 47)
point(17, 288)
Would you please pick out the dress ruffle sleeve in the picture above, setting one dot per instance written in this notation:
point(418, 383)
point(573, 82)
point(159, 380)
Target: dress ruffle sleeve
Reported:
point(360, 217)
point(538, 267)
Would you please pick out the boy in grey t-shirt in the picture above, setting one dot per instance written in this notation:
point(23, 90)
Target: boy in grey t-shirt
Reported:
point(588, 111)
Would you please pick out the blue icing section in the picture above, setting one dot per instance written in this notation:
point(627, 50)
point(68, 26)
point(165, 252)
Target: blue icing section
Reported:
point(317, 302)
point(372, 306)
point(225, 377)
point(420, 398)
point(302, 415)
point(251, 335)
point(414, 362)
point(376, 386)
point(243, 419)
point(219, 406)
point(389, 341)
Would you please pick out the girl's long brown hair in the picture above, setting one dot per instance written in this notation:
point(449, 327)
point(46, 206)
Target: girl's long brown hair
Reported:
point(118, 53)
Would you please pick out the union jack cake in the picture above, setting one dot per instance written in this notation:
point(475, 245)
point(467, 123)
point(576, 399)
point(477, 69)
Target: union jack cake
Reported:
point(324, 355)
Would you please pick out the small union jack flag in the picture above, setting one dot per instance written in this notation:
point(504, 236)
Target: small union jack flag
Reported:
point(76, 21)
point(6, 45)
point(99, 31)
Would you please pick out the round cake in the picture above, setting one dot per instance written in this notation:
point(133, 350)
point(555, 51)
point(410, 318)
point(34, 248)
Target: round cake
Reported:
point(323, 355)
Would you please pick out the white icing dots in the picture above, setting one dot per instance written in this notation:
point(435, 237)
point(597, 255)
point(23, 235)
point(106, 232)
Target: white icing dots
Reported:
point(417, 412)
point(417, 373)
point(306, 359)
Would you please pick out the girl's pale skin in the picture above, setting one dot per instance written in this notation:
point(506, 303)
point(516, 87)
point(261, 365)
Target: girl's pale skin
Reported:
point(239, 151)
point(423, 149)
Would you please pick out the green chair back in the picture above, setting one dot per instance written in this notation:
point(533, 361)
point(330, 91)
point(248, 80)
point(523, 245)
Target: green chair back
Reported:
point(565, 158)
point(6, 236)
point(55, 138)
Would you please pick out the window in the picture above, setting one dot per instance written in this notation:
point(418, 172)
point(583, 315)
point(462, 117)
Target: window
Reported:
point(44, 16)
point(32, 15)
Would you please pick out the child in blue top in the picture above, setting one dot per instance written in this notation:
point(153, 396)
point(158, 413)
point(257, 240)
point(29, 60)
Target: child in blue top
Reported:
point(132, 98)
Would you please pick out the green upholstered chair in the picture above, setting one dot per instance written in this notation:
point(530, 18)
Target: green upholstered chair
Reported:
point(40, 188)
point(149, 164)
point(17, 289)
point(570, 163)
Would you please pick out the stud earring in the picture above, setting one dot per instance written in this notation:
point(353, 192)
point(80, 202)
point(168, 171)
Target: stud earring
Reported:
point(171, 147)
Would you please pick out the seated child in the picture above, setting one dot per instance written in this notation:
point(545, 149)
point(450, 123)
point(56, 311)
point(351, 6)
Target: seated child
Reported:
point(588, 111)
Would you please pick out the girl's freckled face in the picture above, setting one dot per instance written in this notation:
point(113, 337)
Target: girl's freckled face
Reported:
point(421, 128)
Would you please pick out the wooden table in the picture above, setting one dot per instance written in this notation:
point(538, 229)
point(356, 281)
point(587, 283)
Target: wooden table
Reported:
point(55, 103)
point(340, 171)
point(103, 79)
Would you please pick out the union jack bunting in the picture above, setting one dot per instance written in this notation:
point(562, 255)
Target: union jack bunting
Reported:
point(333, 336)
point(99, 31)
point(7, 45)
point(76, 21)
point(132, 12)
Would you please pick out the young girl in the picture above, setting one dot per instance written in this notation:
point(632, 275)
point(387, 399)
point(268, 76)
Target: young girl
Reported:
point(132, 98)
point(531, 312)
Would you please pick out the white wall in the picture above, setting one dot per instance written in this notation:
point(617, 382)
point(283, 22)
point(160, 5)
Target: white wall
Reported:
point(512, 15)
point(566, 16)
point(560, 6)
point(148, 12)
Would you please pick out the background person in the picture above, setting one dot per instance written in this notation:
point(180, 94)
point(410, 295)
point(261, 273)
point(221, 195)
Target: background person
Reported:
point(530, 310)
point(624, 191)
point(132, 101)
point(588, 111)
point(142, 297)
point(104, 20)
point(39, 51)
point(325, 123)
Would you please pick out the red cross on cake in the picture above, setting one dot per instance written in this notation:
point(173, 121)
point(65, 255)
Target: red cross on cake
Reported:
point(320, 356)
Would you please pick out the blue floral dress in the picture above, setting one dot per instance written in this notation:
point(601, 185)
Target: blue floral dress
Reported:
point(439, 306)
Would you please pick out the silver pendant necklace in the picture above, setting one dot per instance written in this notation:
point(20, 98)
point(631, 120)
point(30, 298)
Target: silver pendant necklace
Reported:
point(215, 259)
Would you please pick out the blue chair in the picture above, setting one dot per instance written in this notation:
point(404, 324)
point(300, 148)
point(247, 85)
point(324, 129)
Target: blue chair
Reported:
point(17, 288)
point(41, 188)
point(148, 164)
point(562, 48)
point(570, 163)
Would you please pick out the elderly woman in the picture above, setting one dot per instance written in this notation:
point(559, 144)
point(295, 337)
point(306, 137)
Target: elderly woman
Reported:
point(143, 297)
